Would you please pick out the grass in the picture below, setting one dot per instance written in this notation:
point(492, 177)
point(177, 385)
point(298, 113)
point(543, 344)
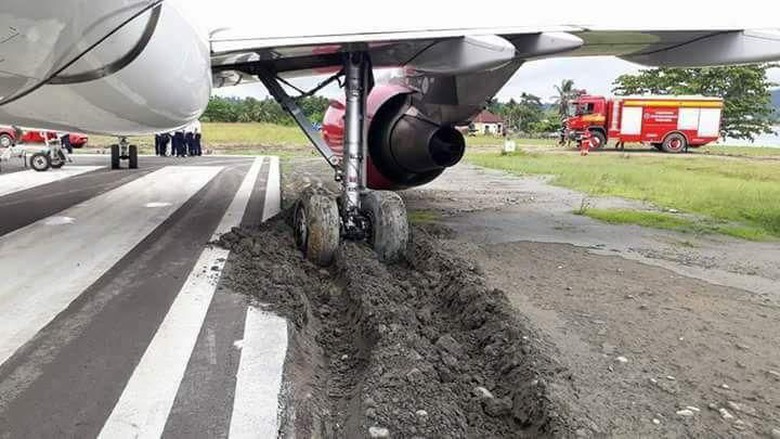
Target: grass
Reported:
point(684, 224)
point(481, 142)
point(740, 151)
point(422, 216)
point(286, 141)
point(234, 139)
point(742, 194)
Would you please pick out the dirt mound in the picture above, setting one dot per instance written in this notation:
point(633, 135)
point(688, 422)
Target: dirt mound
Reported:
point(421, 348)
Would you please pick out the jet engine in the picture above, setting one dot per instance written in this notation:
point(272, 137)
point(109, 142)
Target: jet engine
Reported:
point(405, 148)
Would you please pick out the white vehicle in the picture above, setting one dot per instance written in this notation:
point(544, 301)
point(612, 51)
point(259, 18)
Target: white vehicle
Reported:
point(101, 62)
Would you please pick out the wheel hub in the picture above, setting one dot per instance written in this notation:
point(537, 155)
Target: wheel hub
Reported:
point(301, 232)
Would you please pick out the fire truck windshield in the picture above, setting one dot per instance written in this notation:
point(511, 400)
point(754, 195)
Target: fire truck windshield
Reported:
point(583, 108)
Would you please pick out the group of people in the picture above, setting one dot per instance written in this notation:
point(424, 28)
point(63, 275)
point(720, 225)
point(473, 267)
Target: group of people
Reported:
point(185, 142)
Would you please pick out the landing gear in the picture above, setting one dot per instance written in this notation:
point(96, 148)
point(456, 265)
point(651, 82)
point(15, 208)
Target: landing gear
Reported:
point(389, 232)
point(124, 151)
point(358, 213)
point(316, 227)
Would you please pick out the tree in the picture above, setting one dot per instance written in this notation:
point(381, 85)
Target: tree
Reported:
point(745, 90)
point(566, 93)
point(268, 110)
point(523, 115)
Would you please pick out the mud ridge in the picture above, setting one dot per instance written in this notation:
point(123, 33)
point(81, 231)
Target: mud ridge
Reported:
point(418, 349)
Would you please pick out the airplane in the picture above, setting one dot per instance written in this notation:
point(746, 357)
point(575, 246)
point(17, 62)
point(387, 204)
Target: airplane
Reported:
point(128, 67)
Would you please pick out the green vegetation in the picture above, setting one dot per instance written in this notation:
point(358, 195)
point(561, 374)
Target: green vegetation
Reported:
point(422, 216)
point(739, 151)
point(259, 138)
point(745, 89)
point(669, 221)
point(264, 111)
point(743, 195)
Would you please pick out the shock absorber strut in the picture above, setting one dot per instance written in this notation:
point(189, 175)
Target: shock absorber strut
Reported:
point(357, 70)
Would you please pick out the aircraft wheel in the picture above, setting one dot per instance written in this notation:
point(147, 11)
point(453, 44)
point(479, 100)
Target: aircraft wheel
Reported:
point(40, 161)
point(317, 227)
point(114, 156)
point(389, 224)
point(133, 159)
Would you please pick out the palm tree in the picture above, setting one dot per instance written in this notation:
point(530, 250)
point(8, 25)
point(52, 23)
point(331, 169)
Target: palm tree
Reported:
point(566, 92)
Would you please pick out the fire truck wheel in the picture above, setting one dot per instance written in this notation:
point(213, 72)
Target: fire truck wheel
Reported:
point(674, 143)
point(597, 140)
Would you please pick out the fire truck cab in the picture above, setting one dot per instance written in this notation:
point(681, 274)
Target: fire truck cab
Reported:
point(669, 123)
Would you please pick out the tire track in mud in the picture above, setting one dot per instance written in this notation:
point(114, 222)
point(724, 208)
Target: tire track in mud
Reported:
point(417, 349)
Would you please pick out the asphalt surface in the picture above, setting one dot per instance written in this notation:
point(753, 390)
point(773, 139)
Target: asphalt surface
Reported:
point(113, 318)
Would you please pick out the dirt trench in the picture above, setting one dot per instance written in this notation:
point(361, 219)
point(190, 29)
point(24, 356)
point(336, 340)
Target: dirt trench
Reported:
point(418, 349)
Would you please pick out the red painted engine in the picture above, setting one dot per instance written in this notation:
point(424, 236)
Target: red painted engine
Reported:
point(405, 149)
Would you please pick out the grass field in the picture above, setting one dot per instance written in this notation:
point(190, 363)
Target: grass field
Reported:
point(737, 197)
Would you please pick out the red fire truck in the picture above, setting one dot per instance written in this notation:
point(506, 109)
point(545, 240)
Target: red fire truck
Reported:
point(669, 123)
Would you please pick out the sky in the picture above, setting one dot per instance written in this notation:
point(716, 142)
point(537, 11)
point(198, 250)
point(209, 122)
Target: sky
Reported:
point(256, 18)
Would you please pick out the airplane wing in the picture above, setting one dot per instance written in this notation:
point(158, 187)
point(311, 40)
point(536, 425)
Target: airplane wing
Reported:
point(448, 49)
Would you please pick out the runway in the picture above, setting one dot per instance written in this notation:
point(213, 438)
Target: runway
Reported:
point(113, 319)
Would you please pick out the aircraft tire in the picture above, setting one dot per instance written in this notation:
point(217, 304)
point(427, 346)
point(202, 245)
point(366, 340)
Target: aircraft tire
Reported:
point(133, 159)
point(114, 156)
point(316, 225)
point(389, 235)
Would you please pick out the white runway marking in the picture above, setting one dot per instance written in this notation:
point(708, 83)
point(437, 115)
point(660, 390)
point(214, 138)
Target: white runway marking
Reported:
point(256, 404)
point(273, 193)
point(235, 212)
point(44, 268)
point(23, 180)
point(146, 401)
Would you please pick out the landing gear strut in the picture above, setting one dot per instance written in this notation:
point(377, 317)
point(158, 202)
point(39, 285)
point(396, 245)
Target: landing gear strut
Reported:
point(124, 151)
point(357, 213)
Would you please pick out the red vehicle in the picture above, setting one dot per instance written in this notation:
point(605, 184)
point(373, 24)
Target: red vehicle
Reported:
point(8, 137)
point(669, 123)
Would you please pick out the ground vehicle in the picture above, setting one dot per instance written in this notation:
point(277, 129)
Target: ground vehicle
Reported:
point(670, 123)
point(8, 137)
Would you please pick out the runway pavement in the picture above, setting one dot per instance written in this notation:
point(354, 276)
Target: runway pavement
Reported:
point(113, 321)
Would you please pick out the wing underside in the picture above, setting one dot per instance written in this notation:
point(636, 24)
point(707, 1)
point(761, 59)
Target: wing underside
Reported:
point(433, 51)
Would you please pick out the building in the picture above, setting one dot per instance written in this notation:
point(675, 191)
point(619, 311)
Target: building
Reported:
point(487, 124)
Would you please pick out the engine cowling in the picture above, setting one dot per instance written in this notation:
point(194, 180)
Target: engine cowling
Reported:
point(405, 148)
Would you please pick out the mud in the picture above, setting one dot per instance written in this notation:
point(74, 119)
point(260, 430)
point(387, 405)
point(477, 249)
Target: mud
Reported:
point(422, 348)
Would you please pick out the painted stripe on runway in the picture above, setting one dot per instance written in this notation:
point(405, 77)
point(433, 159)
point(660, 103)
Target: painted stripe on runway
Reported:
point(48, 264)
point(235, 212)
point(273, 195)
point(146, 401)
point(23, 180)
point(256, 404)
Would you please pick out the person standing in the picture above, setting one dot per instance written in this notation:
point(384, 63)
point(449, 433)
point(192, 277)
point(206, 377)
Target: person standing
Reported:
point(189, 140)
point(157, 144)
point(178, 143)
point(65, 142)
point(196, 129)
point(165, 139)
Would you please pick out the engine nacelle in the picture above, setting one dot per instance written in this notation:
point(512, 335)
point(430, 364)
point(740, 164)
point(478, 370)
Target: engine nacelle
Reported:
point(405, 148)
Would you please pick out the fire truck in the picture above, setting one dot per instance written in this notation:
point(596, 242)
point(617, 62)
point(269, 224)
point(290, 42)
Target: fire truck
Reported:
point(669, 123)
